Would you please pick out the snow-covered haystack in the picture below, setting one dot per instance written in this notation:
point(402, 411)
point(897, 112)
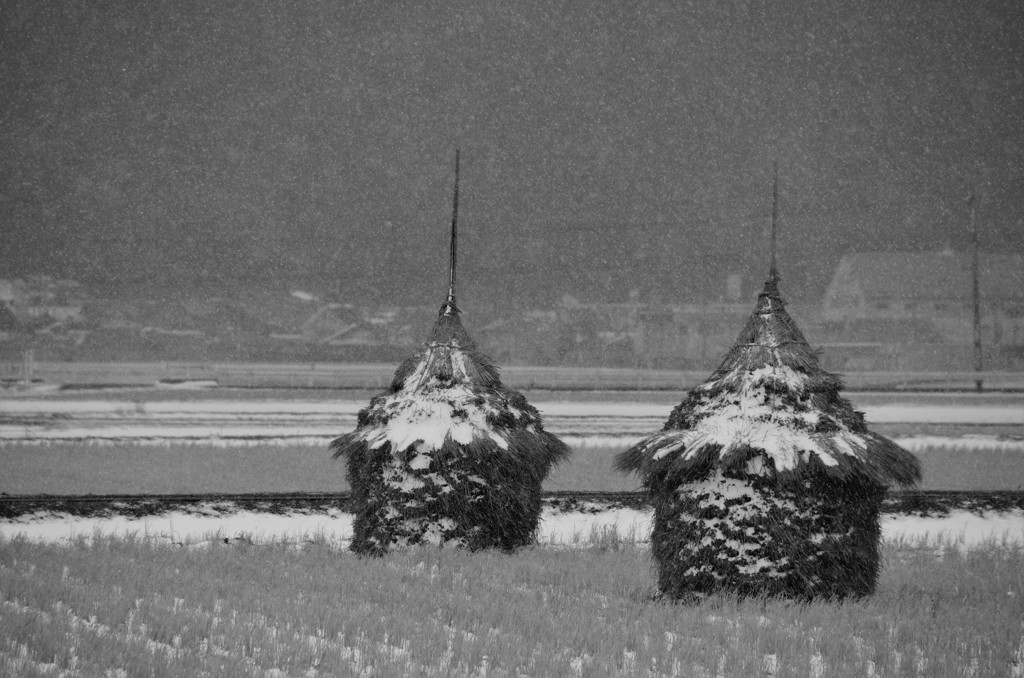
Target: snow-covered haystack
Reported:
point(447, 455)
point(766, 481)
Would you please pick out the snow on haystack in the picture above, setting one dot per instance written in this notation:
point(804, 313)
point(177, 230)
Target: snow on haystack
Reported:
point(764, 479)
point(447, 455)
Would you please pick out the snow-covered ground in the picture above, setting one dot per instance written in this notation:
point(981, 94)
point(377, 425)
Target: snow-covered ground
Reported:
point(959, 528)
point(240, 422)
point(246, 422)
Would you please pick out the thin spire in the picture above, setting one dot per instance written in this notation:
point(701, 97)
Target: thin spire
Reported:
point(450, 308)
point(771, 285)
point(773, 270)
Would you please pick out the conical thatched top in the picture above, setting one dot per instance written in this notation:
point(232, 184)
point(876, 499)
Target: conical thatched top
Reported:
point(769, 337)
point(449, 357)
point(769, 410)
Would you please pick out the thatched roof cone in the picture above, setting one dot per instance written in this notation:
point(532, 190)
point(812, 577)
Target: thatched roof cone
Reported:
point(769, 410)
point(764, 479)
point(449, 356)
point(447, 454)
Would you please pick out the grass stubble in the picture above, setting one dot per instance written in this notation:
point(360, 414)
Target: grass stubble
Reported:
point(135, 607)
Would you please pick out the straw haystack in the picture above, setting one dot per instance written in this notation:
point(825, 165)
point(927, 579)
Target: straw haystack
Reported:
point(764, 479)
point(447, 455)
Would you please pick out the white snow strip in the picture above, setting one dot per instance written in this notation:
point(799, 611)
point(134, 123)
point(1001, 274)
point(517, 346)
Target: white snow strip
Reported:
point(46, 406)
point(966, 442)
point(186, 527)
point(968, 413)
point(576, 528)
point(322, 433)
point(958, 527)
point(320, 436)
point(944, 414)
point(249, 436)
point(962, 529)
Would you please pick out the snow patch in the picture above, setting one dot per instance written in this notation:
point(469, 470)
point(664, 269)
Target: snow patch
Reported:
point(425, 419)
point(962, 529)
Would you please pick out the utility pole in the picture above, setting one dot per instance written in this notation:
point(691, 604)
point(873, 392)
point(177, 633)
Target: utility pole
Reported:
point(28, 360)
point(976, 293)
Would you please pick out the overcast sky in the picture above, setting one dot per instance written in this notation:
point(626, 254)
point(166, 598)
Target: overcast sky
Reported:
point(607, 147)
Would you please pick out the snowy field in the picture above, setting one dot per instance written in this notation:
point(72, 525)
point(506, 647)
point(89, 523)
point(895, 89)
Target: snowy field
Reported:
point(207, 524)
point(314, 421)
point(246, 422)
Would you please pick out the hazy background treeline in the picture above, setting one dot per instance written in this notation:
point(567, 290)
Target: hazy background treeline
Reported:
point(611, 151)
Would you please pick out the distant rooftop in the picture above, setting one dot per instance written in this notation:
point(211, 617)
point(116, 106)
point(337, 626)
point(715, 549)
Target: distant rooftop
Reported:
point(928, 276)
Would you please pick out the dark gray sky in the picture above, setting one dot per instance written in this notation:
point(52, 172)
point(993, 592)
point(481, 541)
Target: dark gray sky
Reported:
point(606, 146)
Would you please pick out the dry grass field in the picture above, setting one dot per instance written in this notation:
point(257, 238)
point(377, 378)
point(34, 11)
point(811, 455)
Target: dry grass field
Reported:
point(132, 608)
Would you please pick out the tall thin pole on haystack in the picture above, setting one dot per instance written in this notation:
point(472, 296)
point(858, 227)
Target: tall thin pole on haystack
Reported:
point(449, 306)
point(976, 293)
point(773, 270)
